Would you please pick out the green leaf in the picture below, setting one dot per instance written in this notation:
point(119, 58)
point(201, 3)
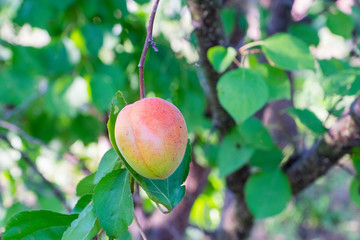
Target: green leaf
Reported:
point(26, 224)
point(267, 193)
point(341, 24)
point(355, 191)
point(277, 81)
point(142, 1)
point(204, 207)
point(33, 13)
point(25, 60)
point(81, 228)
point(267, 160)
point(355, 86)
point(355, 157)
point(106, 165)
point(231, 155)
point(62, 5)
point(11, 211)
point(46, 234)
point(254, 134)
point(342, 83)
point(115, 72)
point(42, 126)
point(85, 186)
point(122, 6)
point(125, 236)
point(93, 35)
point(242, 93)
point(90, 7)
point(82, 203)
point(86, 128)
point(56, 100)
point(309, 119)
point(288, 52)
point(306, 33)
point(10, 90)
point(102, 90)
point(56, 58)
point(221, 58)
point(192, 106)
point(239, 145)
point(168, 192)
point(117, 103)
point(211, 155)
point(49, 202)
point(113, 203)
point(228, 17)
point(332, 66)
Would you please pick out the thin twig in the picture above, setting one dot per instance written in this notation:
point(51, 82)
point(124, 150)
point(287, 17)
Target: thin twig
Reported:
point(332, 109)
point(57, 192)
point(98, 235)
point(355, 40)
point(24, 104)
point(141, 230)
point(250, 45)
point(16, 129)
point(237, 62)
point(148, 40)
point(347, 169)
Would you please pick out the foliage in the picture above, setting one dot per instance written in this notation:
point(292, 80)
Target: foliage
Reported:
point(59, 91)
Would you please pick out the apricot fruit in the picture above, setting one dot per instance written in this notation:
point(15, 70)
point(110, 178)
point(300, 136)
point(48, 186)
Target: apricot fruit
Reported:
point(151, 135)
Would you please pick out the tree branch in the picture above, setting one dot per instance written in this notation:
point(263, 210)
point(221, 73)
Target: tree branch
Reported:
point(57, 192)
point(305, 169)
point(242, 220)
point(148, 40)
point(71, 157)
point(327, 151)
point(280, 17)
point(209, 32)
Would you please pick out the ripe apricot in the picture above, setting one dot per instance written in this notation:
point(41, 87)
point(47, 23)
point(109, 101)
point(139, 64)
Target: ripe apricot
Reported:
point(151, 134)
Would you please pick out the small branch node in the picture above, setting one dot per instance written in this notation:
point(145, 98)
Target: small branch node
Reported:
point(153, 44)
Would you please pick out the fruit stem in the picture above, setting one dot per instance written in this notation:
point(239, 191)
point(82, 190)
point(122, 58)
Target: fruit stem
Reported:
point(250, 45)
point(148, 40)
point(140, 229)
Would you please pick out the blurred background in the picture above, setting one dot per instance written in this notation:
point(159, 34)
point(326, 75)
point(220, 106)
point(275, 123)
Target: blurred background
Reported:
point(61, 62)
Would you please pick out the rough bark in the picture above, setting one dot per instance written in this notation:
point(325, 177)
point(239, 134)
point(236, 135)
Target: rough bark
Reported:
point(327, 151)
point(280, 16)
point(209, 32)
point(241, 226)
point(241, 218)
point(302, 170)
